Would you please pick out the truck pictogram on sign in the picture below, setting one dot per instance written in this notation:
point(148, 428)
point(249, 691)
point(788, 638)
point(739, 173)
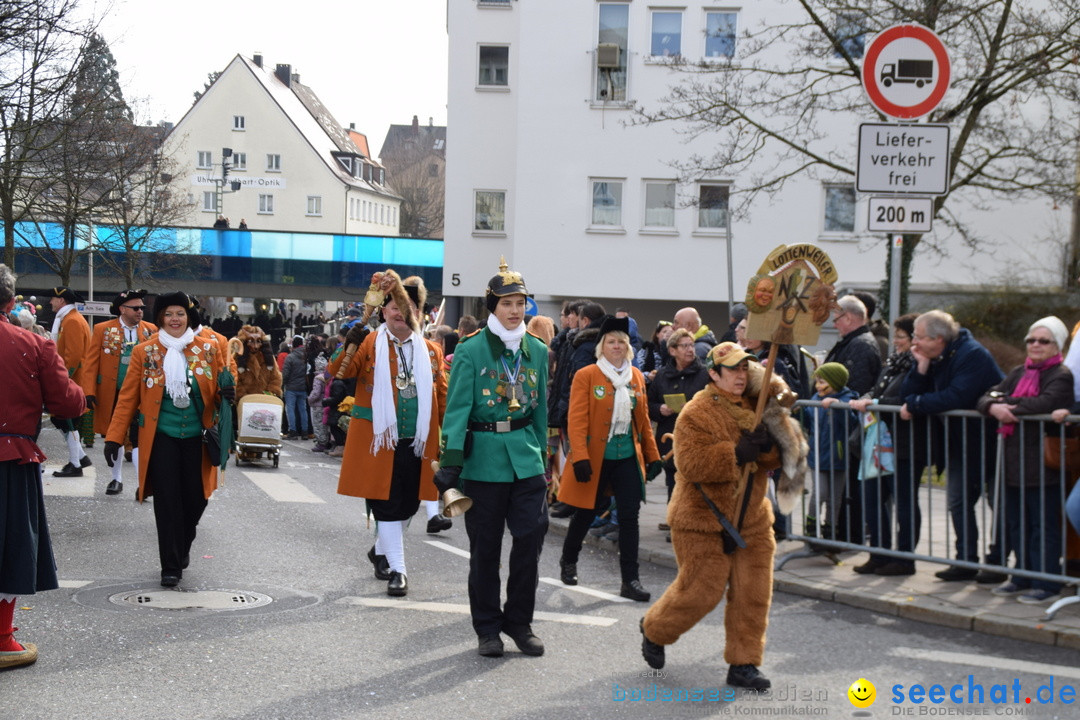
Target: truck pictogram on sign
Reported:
point(920, 72)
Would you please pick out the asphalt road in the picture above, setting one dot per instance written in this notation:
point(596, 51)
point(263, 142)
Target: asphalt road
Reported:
point(331, 644)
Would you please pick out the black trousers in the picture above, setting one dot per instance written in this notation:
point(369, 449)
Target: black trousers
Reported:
point(621, 477)
point(520, 506)
point(174, 475)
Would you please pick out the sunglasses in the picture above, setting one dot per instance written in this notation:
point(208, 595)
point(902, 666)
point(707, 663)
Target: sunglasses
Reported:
point(137, 308)
point(1041, 341)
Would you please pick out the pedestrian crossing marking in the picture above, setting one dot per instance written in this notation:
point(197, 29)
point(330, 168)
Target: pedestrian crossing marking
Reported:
point(282, 488)
point(460, 609)
point(448, 548)
point(585, 590)
point(74, 584)
point(72, 486)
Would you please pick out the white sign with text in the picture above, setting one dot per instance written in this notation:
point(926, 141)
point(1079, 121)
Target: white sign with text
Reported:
point(903, 159)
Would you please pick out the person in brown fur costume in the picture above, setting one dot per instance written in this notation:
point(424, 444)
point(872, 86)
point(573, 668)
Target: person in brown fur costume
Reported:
point(257, 371)
point(715, 440)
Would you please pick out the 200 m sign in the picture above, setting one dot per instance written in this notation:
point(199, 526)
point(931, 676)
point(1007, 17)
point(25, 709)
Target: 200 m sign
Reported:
point(900, 214)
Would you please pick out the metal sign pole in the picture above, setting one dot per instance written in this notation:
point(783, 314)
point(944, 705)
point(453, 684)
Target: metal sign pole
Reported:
point(894, 278)
point(730, 269)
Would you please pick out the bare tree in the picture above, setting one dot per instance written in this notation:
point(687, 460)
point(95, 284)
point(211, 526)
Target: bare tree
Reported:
point(769, 113)
point(139, 242)
point(41, 44)
point(419, 178)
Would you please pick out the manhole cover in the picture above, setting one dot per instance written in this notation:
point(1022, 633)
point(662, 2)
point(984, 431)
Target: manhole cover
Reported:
point(214, 600)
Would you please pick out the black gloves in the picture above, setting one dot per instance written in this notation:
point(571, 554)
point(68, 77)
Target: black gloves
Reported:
point(751, 444)
point(229, 393)
point(654, 468)
point(268, 356)
point(582, 471)
point(91, 401)
point(446, 478)
point(242, 360)
point(356, 334)
point(112, 452)
point(327, 402)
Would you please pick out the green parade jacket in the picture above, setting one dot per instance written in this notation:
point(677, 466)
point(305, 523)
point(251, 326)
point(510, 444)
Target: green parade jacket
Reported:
point(477, 393)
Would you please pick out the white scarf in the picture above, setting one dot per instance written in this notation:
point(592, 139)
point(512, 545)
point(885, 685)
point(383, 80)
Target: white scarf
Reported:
point(620, 378)
point(510, 338)
point(383, 410)
point(175, 365)
point(60, 316)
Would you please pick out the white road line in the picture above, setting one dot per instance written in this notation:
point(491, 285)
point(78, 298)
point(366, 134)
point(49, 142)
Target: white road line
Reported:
point(550, 581)
point(464, 610)
point(70, 487)
point(996, 663)
point(448, 548)
point(74, 583)
point(282, 488)
point(585, 590)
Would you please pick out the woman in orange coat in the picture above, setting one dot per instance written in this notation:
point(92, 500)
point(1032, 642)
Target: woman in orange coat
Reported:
point(611, 441)
point(171, 385)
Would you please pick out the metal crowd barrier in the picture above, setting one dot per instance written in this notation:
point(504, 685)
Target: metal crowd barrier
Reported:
point(943, 510)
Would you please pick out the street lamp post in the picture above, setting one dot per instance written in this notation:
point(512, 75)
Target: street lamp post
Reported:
point(220, 183)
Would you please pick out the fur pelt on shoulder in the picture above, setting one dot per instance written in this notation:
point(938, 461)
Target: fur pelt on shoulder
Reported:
point(787, 434)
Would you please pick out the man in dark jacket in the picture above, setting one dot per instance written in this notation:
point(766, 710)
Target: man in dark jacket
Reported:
point(857, 349)
point(951, 372)
point(294, 383)
point(689, 319)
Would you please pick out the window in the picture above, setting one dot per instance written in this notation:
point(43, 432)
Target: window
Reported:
point(614, 29)
point(314, 205)
point(209, 201)
point(712, 207)
point(266, 204)
point(239, 161)
point(720, 30)
point(839, 209)
point(660, 204)
point(206, 159)
point(607, 203)
point(851, 35)
point(273, 163)
point(237, 122)
point(666, 33)
point(490, 211)
point(494, 64)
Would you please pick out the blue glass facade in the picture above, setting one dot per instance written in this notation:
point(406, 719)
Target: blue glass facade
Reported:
point(257, 256)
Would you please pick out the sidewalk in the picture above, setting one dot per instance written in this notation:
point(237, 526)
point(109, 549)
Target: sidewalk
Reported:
point(921, 596)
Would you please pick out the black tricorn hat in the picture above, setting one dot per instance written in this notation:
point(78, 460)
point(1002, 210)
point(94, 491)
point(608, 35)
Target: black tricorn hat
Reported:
point(507, 282)
point(66, 294)
point(165, 300)
point(610, 323)
point(124, 297)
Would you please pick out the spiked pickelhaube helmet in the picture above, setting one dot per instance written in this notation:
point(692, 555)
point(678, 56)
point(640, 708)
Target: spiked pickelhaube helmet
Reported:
point(507, 282)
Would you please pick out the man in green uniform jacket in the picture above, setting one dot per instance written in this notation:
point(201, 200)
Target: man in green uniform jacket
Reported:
point(494, 440)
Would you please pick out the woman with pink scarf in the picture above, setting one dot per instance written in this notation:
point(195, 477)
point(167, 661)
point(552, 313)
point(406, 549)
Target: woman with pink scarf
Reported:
point(1031, 497)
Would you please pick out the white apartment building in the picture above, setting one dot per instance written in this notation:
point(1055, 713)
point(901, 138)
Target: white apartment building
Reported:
point(298, 170)
point(544, 168)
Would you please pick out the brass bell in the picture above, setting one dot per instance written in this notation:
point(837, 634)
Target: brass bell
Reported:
point(455, 503)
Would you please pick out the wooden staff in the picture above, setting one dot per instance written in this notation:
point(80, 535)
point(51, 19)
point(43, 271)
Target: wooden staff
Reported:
point(763, 397)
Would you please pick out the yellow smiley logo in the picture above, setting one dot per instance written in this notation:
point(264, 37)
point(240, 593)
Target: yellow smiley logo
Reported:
point(862, 693)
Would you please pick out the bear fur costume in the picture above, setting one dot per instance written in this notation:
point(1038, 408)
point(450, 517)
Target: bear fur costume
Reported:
point(705, 437)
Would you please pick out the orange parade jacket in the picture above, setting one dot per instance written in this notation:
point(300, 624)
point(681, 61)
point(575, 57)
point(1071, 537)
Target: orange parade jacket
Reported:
point(101, 366)
point(366, 474)
point(592, 400)
point(141, 396)
point(72, 342)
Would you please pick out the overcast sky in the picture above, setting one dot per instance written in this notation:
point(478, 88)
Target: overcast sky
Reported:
point(371, 62)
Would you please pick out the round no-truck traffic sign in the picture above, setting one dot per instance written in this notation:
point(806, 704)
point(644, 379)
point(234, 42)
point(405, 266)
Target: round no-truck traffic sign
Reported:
point(906, 71)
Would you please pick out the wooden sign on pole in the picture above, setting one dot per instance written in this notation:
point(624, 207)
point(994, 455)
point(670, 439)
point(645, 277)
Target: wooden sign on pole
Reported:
point(791, 295)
